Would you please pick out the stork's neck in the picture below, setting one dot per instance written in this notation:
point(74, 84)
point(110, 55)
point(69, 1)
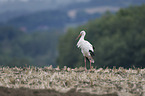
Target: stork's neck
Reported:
point(82, 37)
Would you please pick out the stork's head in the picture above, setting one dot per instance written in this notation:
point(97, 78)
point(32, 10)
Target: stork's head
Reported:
point(82, 33)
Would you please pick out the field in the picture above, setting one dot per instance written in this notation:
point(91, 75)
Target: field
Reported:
point(35, 81)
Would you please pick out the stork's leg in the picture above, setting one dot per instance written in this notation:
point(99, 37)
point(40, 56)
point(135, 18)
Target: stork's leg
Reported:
point(85, 63)
point(90, 65)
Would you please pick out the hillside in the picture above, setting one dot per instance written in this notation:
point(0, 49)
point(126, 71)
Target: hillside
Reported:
point(20, 5)
point(68, 13)
point(40, 21)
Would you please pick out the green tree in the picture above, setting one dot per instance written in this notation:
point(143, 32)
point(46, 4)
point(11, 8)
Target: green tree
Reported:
point(18, 48)
point(118, 40)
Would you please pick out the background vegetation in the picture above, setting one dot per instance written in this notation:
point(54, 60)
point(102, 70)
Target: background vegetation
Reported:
point(18, 48)
point(119, 40)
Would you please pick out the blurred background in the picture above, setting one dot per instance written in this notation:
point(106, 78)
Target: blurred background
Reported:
point(42, 32)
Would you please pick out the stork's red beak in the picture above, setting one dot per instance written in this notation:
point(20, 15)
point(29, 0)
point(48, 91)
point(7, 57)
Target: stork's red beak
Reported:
point(78, 37)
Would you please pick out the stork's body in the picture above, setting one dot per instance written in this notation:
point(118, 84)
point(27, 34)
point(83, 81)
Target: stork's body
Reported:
point(86, 48)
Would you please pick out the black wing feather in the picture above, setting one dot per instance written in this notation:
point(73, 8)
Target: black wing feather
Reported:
point(93, 47)
point(92, 53)
point(87, 58)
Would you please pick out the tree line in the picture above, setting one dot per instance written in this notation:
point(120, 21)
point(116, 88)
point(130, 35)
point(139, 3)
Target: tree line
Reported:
point(119, 40)
point(18, 48)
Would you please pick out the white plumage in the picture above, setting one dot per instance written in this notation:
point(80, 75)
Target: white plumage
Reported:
point(86, 48)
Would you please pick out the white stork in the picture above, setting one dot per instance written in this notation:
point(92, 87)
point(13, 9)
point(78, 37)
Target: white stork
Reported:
point(86, 48)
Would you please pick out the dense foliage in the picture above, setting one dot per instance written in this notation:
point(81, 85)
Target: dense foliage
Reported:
point(18, 48)
point(119, 40)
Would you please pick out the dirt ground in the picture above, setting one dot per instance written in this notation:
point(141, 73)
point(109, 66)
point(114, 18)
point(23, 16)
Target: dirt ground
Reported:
point(29, 92)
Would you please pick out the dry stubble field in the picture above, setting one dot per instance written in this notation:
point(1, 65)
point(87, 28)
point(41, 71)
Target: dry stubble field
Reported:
point(35, 81)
